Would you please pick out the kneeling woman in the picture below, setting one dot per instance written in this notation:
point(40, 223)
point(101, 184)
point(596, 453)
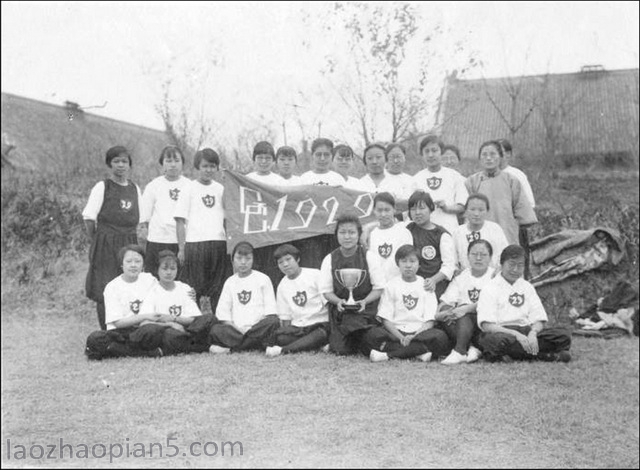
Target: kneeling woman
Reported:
point(457, 311)
point(123, 299)
point(349, 323)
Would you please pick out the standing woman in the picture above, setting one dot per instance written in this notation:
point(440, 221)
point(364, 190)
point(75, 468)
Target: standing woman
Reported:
point(111, 218)
point(510, 207)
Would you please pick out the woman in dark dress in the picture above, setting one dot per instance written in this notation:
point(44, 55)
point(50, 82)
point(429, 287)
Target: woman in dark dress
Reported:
point(111, 218)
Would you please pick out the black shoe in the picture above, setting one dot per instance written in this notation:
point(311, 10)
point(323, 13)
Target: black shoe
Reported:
point(157, 352)
point(562, 356)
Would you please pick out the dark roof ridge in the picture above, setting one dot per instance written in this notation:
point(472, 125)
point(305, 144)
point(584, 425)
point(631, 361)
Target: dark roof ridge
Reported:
point(605, 71)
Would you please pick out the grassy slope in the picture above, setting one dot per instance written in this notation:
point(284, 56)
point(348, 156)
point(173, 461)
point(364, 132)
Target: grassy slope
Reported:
point(312, 409)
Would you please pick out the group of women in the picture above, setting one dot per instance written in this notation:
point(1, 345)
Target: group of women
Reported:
point(492, 204)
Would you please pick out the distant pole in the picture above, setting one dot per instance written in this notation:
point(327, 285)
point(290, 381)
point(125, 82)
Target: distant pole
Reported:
point(284, 131)
point(319, 129)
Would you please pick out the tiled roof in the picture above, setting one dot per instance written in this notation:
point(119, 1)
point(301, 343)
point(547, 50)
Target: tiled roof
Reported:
point(586, 112)
point(44, 134)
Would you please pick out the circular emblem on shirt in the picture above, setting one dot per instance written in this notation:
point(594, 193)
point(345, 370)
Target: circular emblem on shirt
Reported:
point(428, 252)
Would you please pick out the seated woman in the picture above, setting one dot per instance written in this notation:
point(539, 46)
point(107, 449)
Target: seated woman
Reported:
point(350, 322)
point(246, 309)
point(174, 301)
point(302, 309)
point(434, 243)
point(476, 228)
point(512, 317)
point(407, 313)
point(126, 335)
point(457, 310)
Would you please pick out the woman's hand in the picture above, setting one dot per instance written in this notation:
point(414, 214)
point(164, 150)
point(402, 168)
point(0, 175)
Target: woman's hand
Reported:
point(406, 340)
point(341, 305)
point(429, 284)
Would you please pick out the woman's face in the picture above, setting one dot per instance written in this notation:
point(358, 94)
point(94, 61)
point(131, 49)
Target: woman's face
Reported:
point(489, 158)
point(343, 163)
point(168, 270)
point(286, 164)
point(479, 257)
point(348, 235)
point(396, 161)
point(132, 263)
point(476, 211)
point(450, 159)
point(263, 163)
point(242, 263)
point(432, 156)
point(420, 213)
point(321, 159)
point(207, 171)
point(513, 269)
point(120, 166)
point(374, 161)
point(172, 166)
point(385, 213)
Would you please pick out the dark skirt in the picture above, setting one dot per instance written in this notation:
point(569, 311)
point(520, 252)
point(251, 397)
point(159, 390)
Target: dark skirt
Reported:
point(104, 265)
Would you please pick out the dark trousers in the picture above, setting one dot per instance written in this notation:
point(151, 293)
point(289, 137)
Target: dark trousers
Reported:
point(259, 337)
point(347, 332)
point(297, 339)
point(178, 342)
point(550, 340)
point(462, 332)
point(124, 342)
point(432, 340)
point(523, 239)
point(100, 310)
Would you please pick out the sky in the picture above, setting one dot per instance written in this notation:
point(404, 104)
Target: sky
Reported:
point(251, 64)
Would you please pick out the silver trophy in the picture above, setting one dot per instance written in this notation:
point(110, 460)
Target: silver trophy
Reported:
point(351, 278)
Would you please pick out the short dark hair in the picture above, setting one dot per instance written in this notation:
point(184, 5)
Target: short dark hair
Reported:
point(116, 151)
point(384, 197)
point(170, 151)
point(167, 254)
point(286, 151)
point(431, 139)
point(494, 143)
point(284, 250)
point(263, 148)
point(512, 252)
point(392, 146)
point(243, 248)
point(208, 155)
point(132, 247)
point(480, 197)
point(480, 241)
point(343, 150)
point(506, 145)
point(454, 149)
point(348, 218)
point(405, 251)
point(420, 196)
point(319, 142)
point(374, 145)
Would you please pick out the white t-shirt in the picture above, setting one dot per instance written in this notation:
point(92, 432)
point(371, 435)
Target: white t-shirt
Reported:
point(490, 232)
point(355, 184)
point(203, 211)
point(159, 205)
point(123, 299)
point(330, 178)
point(325, 283)
point(271, 178)
point(176, 302)
point(400, 185)
point(506, 304)
point(246, 300)
point(446, 185)
point(524, 182)
point(407, 305)
point(383, 245)
point(294, 180)
point(96, 198)
point(465, 289)
point(300, 301)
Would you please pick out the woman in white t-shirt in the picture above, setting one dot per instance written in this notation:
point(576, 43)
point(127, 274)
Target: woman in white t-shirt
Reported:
point(457, 310)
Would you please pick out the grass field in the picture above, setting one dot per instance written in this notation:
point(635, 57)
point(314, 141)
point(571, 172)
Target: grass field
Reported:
point(306, 410)
point(312, 409)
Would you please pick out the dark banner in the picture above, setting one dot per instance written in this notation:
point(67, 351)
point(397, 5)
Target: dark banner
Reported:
point(269, 215)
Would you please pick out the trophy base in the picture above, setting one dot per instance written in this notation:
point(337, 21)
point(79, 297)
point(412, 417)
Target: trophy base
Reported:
point(351, 308)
